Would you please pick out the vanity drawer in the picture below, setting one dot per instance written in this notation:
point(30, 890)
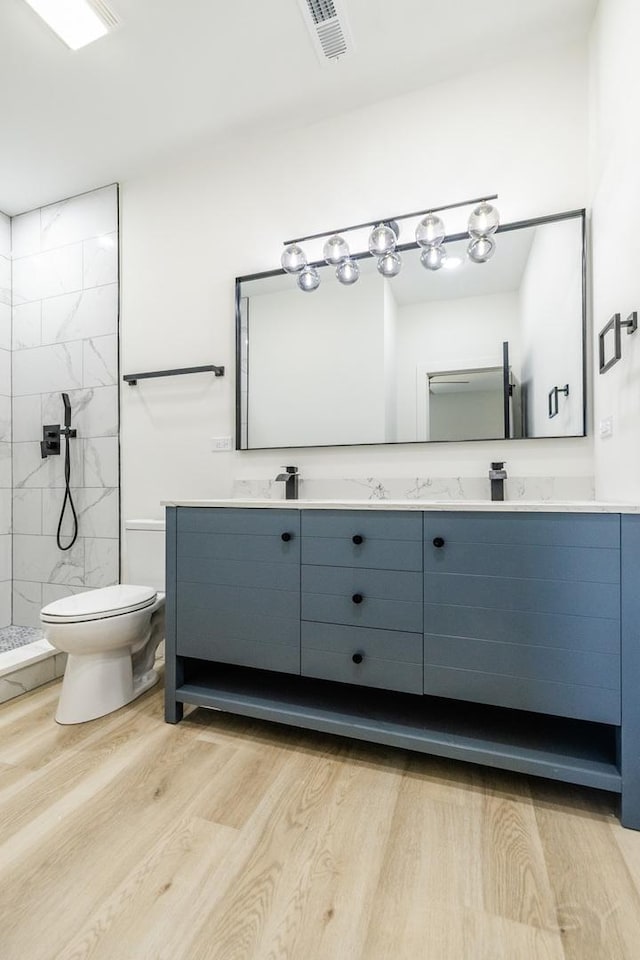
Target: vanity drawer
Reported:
point(239, 521)
point(384, 599)
point(370, 524)
point(367, 553)
point(385, 659)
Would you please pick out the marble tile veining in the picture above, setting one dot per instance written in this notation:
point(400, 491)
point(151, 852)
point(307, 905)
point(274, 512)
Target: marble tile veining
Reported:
point(81, 315)
point(27, 603)
point(88, 215)
point(27, 325)
point(55, 367)
point(100, 258)
point(48, 274)
point(100, 361)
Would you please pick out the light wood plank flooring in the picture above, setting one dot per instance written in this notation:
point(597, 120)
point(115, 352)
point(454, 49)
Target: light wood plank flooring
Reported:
point(228, 839)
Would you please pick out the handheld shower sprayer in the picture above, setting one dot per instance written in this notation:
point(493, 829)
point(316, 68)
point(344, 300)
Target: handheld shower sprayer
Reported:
point(67, 410)
point(50, 446)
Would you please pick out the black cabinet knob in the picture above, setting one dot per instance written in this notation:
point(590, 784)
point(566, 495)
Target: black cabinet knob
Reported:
point(357, 538)
point(357, 598)
point(286, 537)
point(357, 658)
point(438, 542)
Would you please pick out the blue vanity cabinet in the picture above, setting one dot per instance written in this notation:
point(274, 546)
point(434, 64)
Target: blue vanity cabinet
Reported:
point(238, 586)
point(523, 611)
point(362, 598)
point(502, 638)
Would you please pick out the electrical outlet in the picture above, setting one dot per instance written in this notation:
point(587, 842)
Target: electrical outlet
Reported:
point(218, 444)
point(606, 427)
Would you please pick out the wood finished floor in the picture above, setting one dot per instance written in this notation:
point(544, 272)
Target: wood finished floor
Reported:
point(228, 839)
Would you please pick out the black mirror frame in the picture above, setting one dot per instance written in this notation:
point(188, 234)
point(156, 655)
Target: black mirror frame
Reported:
point(505, 228)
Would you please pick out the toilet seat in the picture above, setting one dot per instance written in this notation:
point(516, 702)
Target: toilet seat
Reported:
point(99, 604)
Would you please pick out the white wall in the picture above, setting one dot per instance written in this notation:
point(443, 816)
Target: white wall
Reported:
point(5, 420)
point(615, 184)
point(452, 335)
point(190, 227)
point(550, 298)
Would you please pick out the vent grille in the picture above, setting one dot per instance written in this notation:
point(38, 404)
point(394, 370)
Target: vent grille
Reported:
point(332, 39)
point(105, 13)
point(321, 10)
point(328, 27)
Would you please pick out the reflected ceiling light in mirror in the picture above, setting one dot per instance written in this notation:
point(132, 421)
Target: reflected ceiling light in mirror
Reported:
point(308, 279)
point(390, 264)
point(382, 242)
point(430, 232)
point(293, 258)
point(481, 250)
point(348, 271)
point(432, 258)
point(484, 220)
point(335, 250)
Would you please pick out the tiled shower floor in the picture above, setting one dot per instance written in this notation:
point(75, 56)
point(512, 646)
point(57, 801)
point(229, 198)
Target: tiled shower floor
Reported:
point(13, 637)
point(27, 661)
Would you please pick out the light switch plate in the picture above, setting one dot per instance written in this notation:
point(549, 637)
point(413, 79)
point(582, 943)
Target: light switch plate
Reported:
point(218, 444)
point(606, 427)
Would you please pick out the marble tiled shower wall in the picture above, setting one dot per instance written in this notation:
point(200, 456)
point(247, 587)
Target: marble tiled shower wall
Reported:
point(5, 420)
point(65, 339)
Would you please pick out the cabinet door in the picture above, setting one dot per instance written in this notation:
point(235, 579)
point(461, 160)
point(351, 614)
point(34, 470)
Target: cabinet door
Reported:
point(523, 610)
point(238, 596)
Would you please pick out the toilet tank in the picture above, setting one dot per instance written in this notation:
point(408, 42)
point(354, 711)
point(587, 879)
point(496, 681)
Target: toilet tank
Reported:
point(145, 553)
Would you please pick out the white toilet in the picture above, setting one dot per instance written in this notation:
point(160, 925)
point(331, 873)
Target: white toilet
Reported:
point(111, 635)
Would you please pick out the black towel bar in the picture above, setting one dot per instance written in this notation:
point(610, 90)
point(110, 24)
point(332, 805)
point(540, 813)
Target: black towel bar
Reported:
point(132, 378)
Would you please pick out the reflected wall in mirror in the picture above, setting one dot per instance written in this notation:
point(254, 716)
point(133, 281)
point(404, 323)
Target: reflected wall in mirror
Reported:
point(470, 352)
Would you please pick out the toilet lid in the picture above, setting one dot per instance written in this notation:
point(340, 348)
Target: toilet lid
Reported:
point(97, 604)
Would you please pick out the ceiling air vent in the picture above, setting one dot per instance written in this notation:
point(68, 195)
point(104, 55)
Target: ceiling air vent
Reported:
point(327, 23)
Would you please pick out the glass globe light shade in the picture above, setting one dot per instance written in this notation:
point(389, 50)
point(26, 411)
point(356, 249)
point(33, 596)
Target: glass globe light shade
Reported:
point(293, 258)
point(430, 232)
point(308, 279)
point(382, 240)
point(481, 249)
point(433, 257)
point(335, 250)
point(390, 264)
point(484, 220)
point(348, 271)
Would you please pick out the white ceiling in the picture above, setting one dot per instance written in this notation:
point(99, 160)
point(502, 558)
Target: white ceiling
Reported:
point(175, 74)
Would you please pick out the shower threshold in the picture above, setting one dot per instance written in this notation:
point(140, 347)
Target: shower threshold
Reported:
point(27, 661)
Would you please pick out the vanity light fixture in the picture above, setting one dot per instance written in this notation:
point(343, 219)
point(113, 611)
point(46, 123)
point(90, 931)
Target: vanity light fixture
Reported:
point(76, 22)
point(383, 240)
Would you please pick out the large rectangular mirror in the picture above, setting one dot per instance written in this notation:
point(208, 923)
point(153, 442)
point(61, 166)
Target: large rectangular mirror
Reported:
point(470, 352)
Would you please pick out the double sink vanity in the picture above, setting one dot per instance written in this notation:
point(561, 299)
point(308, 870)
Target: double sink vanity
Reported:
point(502, 634)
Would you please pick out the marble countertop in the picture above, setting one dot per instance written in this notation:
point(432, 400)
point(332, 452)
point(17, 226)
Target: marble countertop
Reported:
point(505, 506)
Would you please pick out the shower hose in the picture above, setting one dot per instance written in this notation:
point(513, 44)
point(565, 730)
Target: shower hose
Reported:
point(67, 499)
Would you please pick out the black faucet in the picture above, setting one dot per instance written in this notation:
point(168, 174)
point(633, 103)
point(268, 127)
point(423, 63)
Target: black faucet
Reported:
point(290, 479)
point(497, 476)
